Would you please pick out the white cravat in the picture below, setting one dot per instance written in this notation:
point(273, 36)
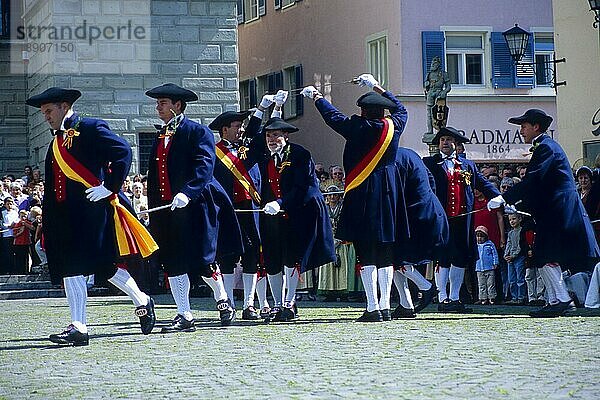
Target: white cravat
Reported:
point(175, 120)
point(449, 162)
point(67, 116)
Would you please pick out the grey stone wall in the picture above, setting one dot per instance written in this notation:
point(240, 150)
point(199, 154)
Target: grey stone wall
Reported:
point(14, 152)
point(189, 43)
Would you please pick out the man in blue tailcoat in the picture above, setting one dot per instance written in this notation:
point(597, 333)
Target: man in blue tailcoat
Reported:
point(370, 217)
point(295, 230)
point(238, 173)
point(181, 175)
point(428, 231)
point(564, 235)
point(80, 236)
point(455, 178)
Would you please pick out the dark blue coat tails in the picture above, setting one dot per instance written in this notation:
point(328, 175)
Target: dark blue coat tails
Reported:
point(79, 234)
point(188, 237)
point(564, 233)
point(428, 225)
point(369, 212)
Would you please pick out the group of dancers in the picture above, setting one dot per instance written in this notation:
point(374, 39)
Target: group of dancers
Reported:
point(253, 197)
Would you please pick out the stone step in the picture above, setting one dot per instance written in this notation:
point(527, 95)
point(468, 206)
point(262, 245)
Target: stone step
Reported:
point(22, 278)
point(47, 292)
point(31, 294)
point(28, 285)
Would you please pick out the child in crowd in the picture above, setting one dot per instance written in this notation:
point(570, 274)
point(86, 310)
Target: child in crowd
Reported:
point(22, 240)
point(533, 277)
point(514, 254)
point(485, 266)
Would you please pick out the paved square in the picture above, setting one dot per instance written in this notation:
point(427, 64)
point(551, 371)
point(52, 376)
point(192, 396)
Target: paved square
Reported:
point(496, 352)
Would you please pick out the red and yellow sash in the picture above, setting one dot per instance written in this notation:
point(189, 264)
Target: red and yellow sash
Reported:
point(132, 236)
point(365, 167)
point(237, 168)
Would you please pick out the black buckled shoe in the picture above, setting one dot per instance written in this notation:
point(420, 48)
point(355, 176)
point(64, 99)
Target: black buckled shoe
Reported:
point(442, 305)
point(275, 315)
point(226, 312)
point(455, 306)
point(288, 314)
point(146, 316)
point(386, 314)
point(180, 324)
point(70, 336)
point(426, 298)
point(250, 313)
point(401, 312)
point(554, 310)
point(265, 312)
point(370, 316)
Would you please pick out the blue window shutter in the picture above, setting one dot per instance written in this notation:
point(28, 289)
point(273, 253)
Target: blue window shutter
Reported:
point(299, 84)
point(252, 92)
point(503, 68)
point(277, 4)
point(262, 7)
point(432, 45)
point(240, 11)
point(525, 74)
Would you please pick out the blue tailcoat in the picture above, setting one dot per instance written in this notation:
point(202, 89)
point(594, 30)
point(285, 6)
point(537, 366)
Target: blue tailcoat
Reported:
point(428, 225)
point(78, 234)
point(188, 237)
point(310, 227)
point(460, 226)
point(369, 212)
point(564, 233)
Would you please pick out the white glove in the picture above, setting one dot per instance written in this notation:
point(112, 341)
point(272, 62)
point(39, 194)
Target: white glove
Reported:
point(267, 100)
point(97, 193)
point(280, 97)
point(272, 208)
point(496, 202)
point(310, 92)
point(508, 209)
point(367, 80)
point(179, 201)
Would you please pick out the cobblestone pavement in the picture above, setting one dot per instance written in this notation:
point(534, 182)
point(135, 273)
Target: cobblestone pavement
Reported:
point(496, 352)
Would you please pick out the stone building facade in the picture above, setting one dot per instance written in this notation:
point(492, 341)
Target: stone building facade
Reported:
point(122, 49)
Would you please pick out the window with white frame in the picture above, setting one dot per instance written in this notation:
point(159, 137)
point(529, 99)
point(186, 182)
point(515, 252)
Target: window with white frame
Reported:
point(250, 10)
point(289, 84)
point(544, 55)
point(377, 58)
point(286, 3)
point(465, 60)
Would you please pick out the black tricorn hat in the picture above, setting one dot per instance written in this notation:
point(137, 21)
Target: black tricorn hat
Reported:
point(374, 100)
point(54, 95)
point(533, 116)
point(449, 131)
point(227, 118)
point(173, 92)
point(277, 124)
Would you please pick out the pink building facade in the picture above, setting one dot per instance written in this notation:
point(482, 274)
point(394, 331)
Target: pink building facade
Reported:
point(290, 44)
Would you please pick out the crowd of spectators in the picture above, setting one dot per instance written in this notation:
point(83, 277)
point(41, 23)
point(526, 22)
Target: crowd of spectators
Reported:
point(21, 200)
